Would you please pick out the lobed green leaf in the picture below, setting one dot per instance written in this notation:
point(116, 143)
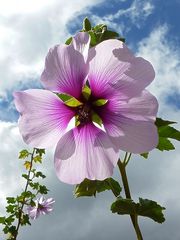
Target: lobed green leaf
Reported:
point(145, 208)
point(23, 154)
point(92, 187)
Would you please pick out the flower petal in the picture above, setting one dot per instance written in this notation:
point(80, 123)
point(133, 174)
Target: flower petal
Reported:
point(85, 152)
point(81, 43)
point(131, 123)
point(104, 67)
point(139, 75)
point(113, 68)
point(143, 107)
point(132, 135)
point(65, 70)
point(44, 117)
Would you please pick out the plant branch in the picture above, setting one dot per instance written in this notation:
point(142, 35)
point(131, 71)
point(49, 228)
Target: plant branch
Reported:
point(134, 218)
point(25, 190)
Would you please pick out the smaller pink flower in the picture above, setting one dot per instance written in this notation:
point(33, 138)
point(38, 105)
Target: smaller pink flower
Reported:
point(42, 206)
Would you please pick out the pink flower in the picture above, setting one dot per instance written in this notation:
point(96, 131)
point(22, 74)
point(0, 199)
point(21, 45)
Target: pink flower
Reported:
point(42, 206)
point(115, 75)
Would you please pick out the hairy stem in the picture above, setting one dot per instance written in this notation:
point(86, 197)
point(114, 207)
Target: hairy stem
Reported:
point(25, 190)
point(134, 218)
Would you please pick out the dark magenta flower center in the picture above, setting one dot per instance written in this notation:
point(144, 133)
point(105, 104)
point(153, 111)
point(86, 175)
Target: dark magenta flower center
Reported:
point(83, 113)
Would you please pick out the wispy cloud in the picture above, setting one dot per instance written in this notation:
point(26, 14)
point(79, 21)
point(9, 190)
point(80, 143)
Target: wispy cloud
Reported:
point(139, 10)
point(162, 52)
point(136, 15)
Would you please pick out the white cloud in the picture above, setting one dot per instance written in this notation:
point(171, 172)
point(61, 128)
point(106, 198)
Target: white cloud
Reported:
point(137, 11)
point(28, 30)
point(10, 144)
point(161, 51)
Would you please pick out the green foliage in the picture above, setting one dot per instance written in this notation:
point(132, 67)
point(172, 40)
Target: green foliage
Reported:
point(37, 159)
point(14, 209)
point(11, 199)
point(40, 152)
point(145, 155)
point(151, 209)
point(25, 220)
point(92, 187)
point(145, 208)
point(165, 144)
point(2, 220)
point(40, 174)
point(43, 189)
point(165, 133)
point(97, 33)
point(86, 25)
point(24, 154)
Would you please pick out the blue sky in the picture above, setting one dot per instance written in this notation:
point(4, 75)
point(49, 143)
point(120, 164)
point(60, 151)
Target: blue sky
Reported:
point(151, 29)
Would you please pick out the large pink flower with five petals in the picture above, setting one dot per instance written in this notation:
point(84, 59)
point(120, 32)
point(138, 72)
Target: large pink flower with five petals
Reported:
point(113, 74)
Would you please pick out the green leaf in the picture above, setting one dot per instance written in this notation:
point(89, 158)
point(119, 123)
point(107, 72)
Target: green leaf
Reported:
point(91, 187)
point(165, 144)
point(40, 174)
point(34, 185)
point(40, 151)
point(96, 118)
point(37, 159)
point(69, 100)
point(12, 230)
point(27, 165)
point(151, 209)
point(23, 154)
point(165, 132)
point(25, 176)
point(123, 206)
point(114, 186)
point(100, 102)
point(86, 92)
point(109, 35)
point(68, 41)
point(11, 208)
point(2, 220)
point(145, 208)
point(99, 27)
point(93, 38)
point(145, 155)
point(122, 39)
point(27, 194)
point(6, 229)
point(11, 200)
point(86, 24)
point(25, 220)
point(169, 132)
point(43, 189)
point(160, 122)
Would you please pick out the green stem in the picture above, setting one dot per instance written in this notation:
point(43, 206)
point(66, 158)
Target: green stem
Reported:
point(134, 219)
point(25, 190)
